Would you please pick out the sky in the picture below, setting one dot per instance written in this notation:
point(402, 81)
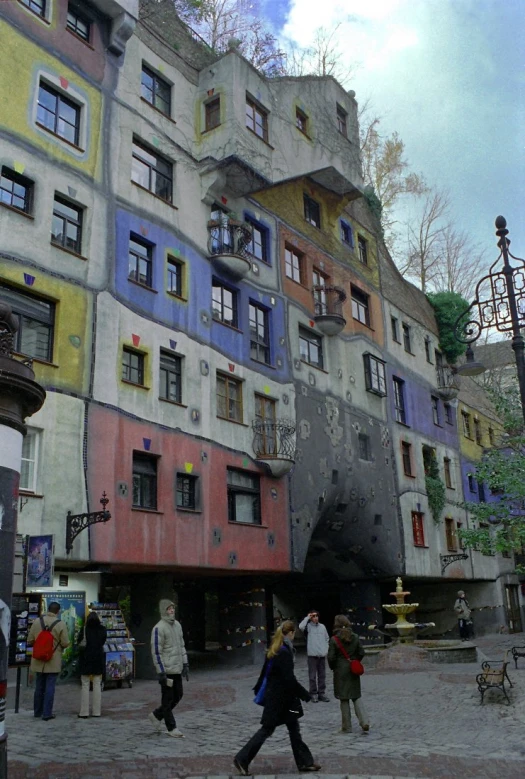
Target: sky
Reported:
point(449, 76)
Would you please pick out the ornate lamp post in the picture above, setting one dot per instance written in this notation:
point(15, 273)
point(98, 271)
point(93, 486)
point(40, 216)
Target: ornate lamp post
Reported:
point(499, 304)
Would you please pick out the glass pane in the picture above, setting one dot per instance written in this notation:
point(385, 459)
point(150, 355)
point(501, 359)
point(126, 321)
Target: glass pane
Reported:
point(35, 339)
point(27, 475)
point(66, 210)
point(244, 508)
point(47, 99)
point(45, 117)
point(67, 131)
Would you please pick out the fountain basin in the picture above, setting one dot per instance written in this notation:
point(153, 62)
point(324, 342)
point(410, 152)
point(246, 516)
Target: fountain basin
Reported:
point(400, 608)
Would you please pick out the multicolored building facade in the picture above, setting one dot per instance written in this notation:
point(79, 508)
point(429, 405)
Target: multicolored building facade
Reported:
point(227, 349)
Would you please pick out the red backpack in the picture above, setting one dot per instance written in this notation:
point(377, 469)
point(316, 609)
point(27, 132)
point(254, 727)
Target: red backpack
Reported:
point(44, 645)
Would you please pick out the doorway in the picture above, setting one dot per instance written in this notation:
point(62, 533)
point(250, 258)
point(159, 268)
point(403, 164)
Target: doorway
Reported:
point(512, 605)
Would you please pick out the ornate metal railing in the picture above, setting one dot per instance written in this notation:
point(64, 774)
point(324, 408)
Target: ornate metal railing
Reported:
point(229, 237)
point(328, 301)
point(448, 382)
point(274, 439)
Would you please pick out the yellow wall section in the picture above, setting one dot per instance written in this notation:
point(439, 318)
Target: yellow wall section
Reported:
point(469, 448)
point(20, 59)
point(286, 200)
point(72, 318)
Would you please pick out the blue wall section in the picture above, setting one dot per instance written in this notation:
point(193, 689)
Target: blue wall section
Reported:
point(194, 315)
point(419, 410)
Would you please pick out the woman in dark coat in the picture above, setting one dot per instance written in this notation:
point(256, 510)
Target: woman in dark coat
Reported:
point(91, 663)
point(282, 703)
point(347, 685)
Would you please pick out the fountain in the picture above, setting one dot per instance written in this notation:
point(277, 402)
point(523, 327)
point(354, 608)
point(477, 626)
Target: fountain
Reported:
point(405, 630)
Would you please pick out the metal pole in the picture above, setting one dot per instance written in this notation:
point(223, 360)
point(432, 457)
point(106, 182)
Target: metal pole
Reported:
point(518, 343)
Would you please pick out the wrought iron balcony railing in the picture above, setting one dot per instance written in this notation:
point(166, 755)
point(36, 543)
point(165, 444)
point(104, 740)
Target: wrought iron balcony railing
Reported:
point(274, 442)
point(328, 308)
point(228, 237)
point(448, 382)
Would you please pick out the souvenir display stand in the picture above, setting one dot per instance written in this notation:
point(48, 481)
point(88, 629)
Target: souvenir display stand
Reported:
point(119, 651)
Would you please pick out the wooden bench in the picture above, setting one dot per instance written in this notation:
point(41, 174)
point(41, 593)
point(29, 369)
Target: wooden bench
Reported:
point(517, 651)
point(493, 675)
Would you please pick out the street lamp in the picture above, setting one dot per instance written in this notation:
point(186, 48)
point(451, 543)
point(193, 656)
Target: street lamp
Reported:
point(499, 304)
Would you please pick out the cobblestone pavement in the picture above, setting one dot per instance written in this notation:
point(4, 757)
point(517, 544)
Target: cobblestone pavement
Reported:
point(425, 724)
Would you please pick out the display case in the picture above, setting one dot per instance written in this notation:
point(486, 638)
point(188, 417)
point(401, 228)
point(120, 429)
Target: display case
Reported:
point(119, 651)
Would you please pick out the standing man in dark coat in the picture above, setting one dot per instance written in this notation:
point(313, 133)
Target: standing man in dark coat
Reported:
point(91, 640)
point(282, 704)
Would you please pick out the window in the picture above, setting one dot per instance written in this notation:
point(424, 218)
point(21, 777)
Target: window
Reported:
point(155, 91)
point(428, 350)
point(259, 334)
point(244, 497)
point(66, 230)
point(256, 119)
point(395, 328)
point(170, 377)
point(319, 291)
point(477, 432)
point(175, 272)
point(140, 261)
point(16, 190)
point(212, 114)
point(132, 366)
point(450, 533)
point(482, 496)
point(435, 410)
point(312, 211)
point(293, 264)
point(472, 483)
point(301, 121)
point(448, 473)
point(311, 347)
point(187, 492)
point(144, 481)
point(364, 447)
point(406, 452)
point(467, 432)
point(77, 23)
point(399, 401)
point(449, 418)
point(265, 413)
point(36, 319)
point(28, 471)
point(346, 234)
point(258, 246)
point(37, 6)
point(341, 120)
point(363, 249)
point(492, 440)
point(360, 307)
point(151, 171)
point(224, 304)
point(375, 378)
point(406, 338)
point(461, 544)
point(229, 398)
point(418, 530)
point(58, 114)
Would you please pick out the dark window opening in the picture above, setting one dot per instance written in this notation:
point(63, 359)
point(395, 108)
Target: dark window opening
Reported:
point(16, 190)
point(312, 211)
point(212, 114)
point(256, 119)
point(77, 23)
point(36, 319)
point(152, 172)
point(259, 333)
point(170, 376)
point(156, 91)
point(144, 481)
point(375, 376)
point(187, 491)
point(132, 366)
point(229, 398)
point(310, 347)
point(224, 304)
point(66, 229)
point(140, 261)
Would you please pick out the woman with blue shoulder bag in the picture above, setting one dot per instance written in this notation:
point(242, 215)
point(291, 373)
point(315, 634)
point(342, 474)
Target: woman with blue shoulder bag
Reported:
point(280, 693)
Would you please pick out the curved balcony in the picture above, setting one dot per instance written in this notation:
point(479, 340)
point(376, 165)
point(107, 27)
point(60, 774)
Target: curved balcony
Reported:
point(274, 445)
point(448, 382)
point(227, 244)
point(328, 307)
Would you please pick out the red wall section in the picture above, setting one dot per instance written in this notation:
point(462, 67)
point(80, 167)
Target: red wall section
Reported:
point(170, 537)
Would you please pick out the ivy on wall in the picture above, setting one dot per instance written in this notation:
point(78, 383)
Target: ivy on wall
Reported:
point(435, 489)
point(447, 308)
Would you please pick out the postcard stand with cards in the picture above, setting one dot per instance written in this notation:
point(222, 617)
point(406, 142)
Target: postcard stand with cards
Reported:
point(119, 651)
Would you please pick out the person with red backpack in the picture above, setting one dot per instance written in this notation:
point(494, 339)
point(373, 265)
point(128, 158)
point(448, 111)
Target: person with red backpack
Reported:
point(48, 637)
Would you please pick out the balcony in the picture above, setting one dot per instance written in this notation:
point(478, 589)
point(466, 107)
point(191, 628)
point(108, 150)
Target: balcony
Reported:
point(227, 244)
point(274, 445)
point(448, 382)
point(328, 306)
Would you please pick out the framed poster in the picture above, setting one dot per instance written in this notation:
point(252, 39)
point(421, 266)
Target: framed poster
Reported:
point(119, 665)
point(72, 612)
point(26, 607)
point(40, 561)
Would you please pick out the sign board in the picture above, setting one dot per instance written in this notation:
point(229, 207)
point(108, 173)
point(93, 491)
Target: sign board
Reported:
point(40, 561)
point(72, 612)
point(26, 607)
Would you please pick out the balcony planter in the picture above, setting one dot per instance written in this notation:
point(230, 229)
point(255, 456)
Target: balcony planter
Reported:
point(227, 244)
point(274, 445)
point(328, 303)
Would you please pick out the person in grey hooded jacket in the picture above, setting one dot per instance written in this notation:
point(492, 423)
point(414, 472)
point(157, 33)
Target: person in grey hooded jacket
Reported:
point(171, 663)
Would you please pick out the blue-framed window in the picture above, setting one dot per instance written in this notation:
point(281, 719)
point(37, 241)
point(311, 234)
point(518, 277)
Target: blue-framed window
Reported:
point(259, 246)
point(347, 236)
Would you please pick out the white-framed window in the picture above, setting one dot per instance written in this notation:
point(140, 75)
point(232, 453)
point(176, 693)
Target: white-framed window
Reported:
point(29, 469)
point(61, 112)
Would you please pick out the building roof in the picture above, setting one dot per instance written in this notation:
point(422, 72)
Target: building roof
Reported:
point(405, 295)
point(496, 354)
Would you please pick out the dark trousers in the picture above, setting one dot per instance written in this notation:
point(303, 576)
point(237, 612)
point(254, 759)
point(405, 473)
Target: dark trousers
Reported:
point(170, 697)
point(317, 675)
point(303, 756)
point(44, 694)
point(465, 629)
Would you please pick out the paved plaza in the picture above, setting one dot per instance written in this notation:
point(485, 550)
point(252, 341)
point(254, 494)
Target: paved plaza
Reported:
point(426, 723)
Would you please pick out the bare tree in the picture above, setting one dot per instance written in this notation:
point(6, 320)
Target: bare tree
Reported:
point(324, 57)
point(424, 255)
point(461, 263)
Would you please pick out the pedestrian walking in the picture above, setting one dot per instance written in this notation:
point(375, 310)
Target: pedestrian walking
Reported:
point(171, 663)
point(464, 612)
point(91, 640)
point(344, 648)
point(49, 647)
point(317, 639)
point(282, 703)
